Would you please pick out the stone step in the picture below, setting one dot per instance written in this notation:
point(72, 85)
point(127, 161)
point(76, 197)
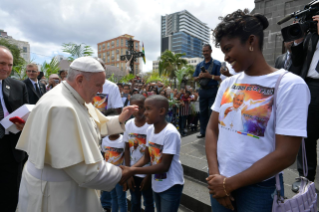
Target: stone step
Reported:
point(193, 157)
point(195, 196)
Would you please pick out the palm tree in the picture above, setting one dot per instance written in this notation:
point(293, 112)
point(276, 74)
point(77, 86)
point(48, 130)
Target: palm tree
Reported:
point(77, 51)
point(170, 63)
point(50, 68)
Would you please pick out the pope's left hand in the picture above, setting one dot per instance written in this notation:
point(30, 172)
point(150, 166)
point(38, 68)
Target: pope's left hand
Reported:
point(127, 112)
point(215, 186)
point(19, 126)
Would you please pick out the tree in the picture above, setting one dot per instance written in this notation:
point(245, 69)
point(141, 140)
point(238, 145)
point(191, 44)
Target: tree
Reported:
point(170, 63)
point(77, 51)
point(50, 68)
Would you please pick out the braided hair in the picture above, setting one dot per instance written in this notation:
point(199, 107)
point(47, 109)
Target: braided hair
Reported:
point(241, 24)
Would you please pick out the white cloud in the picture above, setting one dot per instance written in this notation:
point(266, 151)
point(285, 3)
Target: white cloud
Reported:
point(48, 24)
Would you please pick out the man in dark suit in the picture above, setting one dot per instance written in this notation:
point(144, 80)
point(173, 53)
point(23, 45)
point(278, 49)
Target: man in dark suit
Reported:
point(305, 54)
point(13, 94)
point(284, 61)
point(35, 89)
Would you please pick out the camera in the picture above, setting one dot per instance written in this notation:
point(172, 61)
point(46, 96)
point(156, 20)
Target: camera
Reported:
point(305, 23)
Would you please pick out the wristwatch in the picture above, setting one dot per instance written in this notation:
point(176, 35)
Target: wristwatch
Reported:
point(213, 77)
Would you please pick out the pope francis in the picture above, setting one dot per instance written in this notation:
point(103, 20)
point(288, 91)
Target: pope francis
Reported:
point(62, 136)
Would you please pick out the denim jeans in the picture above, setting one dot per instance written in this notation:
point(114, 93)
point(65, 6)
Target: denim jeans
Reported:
point(168, 201)
point(252, 198)
point(106, 199)
point(119, 199)
point(206, 100)
point(136, 197)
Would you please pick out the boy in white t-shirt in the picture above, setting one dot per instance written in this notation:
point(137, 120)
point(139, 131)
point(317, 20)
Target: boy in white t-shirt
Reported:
point(163, 141)
point(135, 147)
point(113, 148)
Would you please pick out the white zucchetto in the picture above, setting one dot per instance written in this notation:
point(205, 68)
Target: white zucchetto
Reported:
point(87, 64)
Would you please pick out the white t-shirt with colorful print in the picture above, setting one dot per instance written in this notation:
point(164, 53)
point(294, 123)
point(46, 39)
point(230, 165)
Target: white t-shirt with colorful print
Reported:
point(136, 138)
point(168, 141)
point(113, 150)
point(245, 107)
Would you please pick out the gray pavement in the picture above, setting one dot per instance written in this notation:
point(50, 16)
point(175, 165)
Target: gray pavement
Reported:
point(193, 155)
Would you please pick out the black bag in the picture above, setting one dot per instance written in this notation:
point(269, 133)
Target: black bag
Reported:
point(204, 82)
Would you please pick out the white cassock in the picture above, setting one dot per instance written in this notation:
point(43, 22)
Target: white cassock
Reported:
point(65, 165)
point(233, 119)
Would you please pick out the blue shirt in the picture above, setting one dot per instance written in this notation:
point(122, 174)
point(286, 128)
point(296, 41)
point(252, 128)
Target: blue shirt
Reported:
point(215, 71)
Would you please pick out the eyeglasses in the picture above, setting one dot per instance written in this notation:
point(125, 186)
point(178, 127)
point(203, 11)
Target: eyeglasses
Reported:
point(31, 71)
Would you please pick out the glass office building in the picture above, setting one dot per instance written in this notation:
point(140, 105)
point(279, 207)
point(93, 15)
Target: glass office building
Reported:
point(182, 32)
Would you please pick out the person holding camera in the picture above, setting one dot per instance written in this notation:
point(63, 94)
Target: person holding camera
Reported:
point(207, 73)
point(306, 55)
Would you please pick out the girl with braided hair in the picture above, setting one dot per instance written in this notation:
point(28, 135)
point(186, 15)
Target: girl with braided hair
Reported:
point(243, 161)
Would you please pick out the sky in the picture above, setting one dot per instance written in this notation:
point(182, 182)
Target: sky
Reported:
point(46, 25)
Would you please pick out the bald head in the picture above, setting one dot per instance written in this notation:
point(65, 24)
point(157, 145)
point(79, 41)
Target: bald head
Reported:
point(7, 49)
point(159, 101)
point(6, 62)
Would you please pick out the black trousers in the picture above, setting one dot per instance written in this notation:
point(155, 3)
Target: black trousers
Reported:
point(312, 132)
point(10, 177)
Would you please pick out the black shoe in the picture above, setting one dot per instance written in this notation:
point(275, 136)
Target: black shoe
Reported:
point(200, 136)
point(107, 209)
point(295, 186)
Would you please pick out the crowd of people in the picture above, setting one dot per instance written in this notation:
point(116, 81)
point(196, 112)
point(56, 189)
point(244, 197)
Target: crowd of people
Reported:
point(86, 133)
point(183, 110)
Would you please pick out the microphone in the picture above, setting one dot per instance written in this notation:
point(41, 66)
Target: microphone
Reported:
point(287, 18)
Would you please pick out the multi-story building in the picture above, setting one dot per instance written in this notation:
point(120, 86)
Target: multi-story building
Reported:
point(181, 32)
point(190, 61)
point(22, 45)
point(111, 50)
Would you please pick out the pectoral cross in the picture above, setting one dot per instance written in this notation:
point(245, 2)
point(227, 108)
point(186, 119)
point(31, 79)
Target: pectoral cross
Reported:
point(231, 125)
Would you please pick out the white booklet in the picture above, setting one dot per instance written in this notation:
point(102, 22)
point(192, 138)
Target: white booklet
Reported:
point(23, 112)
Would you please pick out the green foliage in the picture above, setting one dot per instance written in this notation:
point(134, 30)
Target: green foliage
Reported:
point(127, 78)
point(189, 71)
point(17, 59)
point(172, 102)
point(180, 74)
point(170, 63)
point(77, 51)
point(112, 78)
point(50, 68)
point(19, 71)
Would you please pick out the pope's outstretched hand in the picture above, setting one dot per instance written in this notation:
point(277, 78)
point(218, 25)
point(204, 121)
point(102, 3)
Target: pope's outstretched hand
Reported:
point(127, 112)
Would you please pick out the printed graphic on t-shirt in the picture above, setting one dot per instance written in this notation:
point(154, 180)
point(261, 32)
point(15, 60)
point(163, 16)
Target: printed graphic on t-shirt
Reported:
point(114, 155)
point(100, 101)
point(246, 109)
point(137, 142)
point(156, 157)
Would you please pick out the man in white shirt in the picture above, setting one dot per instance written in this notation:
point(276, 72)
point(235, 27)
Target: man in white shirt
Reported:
point(35, 89)
point(306, 55)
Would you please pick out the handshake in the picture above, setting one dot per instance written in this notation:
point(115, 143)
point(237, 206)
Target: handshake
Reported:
point(127, 180)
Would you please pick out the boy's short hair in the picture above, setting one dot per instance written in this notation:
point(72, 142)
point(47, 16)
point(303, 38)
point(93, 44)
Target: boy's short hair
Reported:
point(137, 97)
point(160, 100)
